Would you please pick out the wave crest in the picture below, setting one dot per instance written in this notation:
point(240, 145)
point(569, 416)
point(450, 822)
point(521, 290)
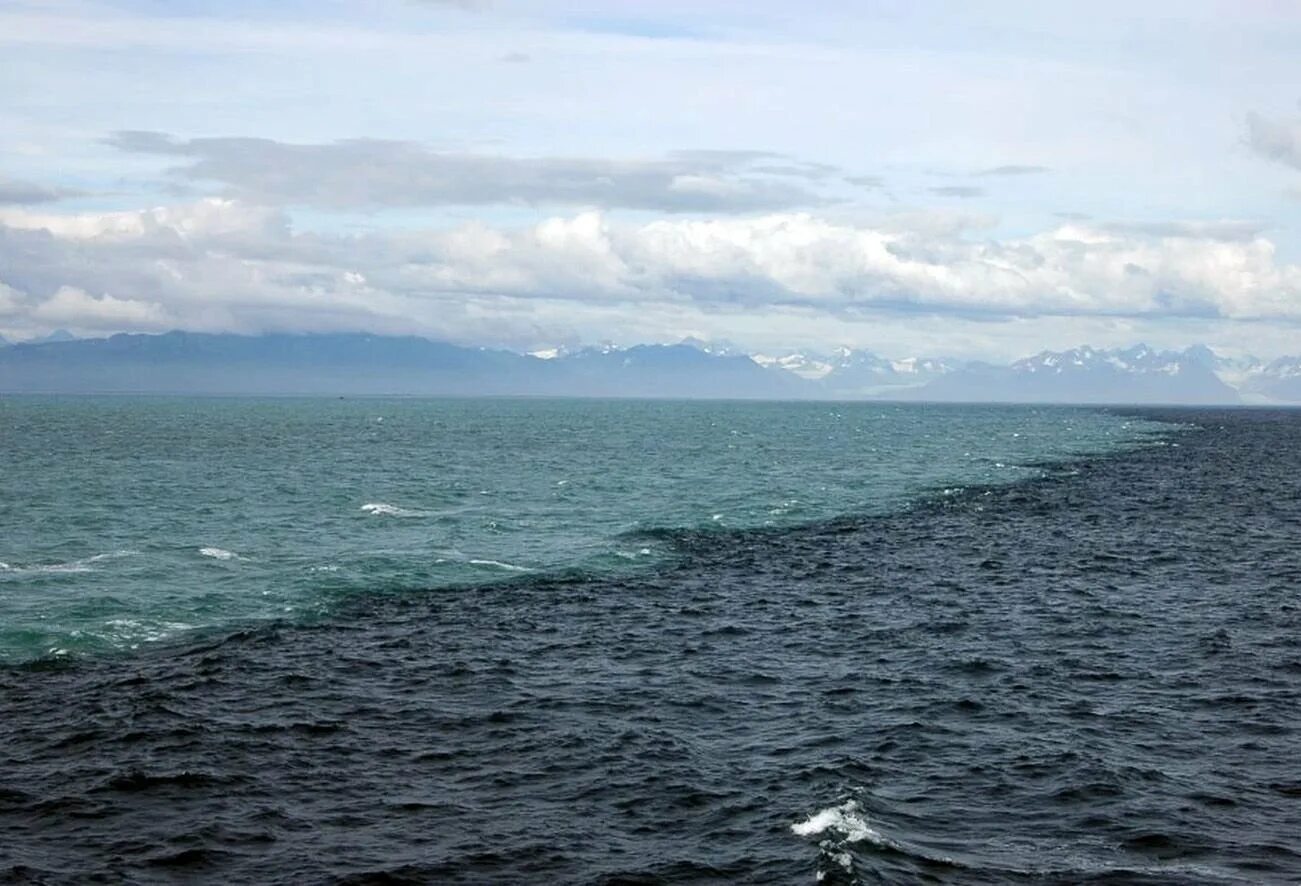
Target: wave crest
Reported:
point(383, 509)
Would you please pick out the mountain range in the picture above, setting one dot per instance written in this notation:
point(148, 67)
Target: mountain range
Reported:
point(359, 363)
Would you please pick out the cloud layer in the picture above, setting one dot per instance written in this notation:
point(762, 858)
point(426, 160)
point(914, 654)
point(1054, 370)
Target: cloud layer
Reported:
point(221, 264)
point(27, 193)
point(375, 173)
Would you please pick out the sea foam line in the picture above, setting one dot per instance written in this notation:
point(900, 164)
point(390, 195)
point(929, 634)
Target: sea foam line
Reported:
point(382, 509)
point(85, 564)
point(509, 567)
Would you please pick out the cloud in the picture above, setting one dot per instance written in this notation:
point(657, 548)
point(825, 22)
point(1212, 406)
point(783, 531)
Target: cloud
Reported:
point(468, 5)
point(870, 182)
point(72, 306)
point(516, 58)
point(1227, 229)
point(225, 265)
point(963, 191)
point(1275, 140)
point(1014, 170)
point(26, 193)
point(373, 173)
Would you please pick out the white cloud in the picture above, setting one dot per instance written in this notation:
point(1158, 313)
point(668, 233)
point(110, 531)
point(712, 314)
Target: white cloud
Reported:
point(70, 306)
point(224, 265)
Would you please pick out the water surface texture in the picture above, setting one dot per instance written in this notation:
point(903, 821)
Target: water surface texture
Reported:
point(127, 521)
point(1089, 675)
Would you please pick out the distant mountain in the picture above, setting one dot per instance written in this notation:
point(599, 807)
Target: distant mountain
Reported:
point(850, 374)
point(865, 374)
point(680, 370)
point(185, 362)
point(55, 336)
point(1087, 375)
point(1279, 380)
point(805, 366)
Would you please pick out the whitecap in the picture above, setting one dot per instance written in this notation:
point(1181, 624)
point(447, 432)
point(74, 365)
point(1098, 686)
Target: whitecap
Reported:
point(509, 567)
point(381, 509)
point(845, 821)
point(218, 554)
point(85, 564)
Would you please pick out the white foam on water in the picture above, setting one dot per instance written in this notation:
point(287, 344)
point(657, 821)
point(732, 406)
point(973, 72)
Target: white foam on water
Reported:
point(133, 632)
point(509, 567)
point(85, 564)
point(381, 509)
point(219, 554)
point(846, 821)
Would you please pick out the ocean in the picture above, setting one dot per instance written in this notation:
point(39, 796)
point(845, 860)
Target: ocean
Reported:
point(504, 641)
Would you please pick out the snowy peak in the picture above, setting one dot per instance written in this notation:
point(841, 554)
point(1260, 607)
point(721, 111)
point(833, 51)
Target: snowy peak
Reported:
point(808, 367)
point(1085, 374)
point(848, 371)
point(1138, 360)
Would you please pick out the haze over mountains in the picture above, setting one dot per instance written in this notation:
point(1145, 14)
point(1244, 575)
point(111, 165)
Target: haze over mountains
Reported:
point(358, 364)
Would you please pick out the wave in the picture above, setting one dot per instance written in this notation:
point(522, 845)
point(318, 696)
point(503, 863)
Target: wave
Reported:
point(382, 509)
point(846, 820)
point(497, 564)
point(219, 554)
point(85, 564)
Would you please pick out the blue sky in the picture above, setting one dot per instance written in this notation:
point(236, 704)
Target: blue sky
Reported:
point(972, 179)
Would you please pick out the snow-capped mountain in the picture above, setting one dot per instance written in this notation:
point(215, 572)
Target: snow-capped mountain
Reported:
point(1092, 375)
point(806, 366)
point(1276, 381)
point(184, 362)
point(849, 372)
point(863, 373)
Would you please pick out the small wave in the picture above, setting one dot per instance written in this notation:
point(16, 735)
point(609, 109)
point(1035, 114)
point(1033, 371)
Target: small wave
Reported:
point(845, 821)
point(380, 509)
point(219, 554)
point(85, 564)
point(509, 567)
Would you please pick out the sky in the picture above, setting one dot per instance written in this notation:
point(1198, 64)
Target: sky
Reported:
point(971, 180)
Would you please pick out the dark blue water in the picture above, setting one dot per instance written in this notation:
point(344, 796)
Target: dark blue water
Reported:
point(1092, 675)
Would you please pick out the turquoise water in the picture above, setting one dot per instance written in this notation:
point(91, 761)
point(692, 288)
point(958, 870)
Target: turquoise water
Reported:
point(125, 521)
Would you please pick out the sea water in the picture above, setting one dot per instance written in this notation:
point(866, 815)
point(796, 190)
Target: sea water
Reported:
point(127, 521)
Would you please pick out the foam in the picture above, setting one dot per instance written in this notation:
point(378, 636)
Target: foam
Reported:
point(381, 509)
point(85, 564)
point(509, 567)
point(218, 554)
point(845, 821)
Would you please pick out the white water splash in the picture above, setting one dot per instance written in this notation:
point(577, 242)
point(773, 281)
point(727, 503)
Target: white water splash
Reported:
point(381, 509)
point(845, 821)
